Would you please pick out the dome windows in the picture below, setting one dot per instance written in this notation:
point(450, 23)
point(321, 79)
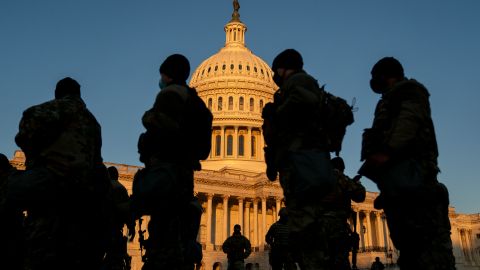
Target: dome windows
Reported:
point(216, 67)
point(224, 67)
point(232, 66)
point(209, 104)
point(248, 68)
point(230, 103)
point(261, 105)
point(252, 104)
point(229, 145)
point(218, 145)
point(240, 104)
point(220, 105)
point(240, 66)
point(241, 145)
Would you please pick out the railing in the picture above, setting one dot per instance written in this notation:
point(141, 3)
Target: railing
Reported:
point(372, 249)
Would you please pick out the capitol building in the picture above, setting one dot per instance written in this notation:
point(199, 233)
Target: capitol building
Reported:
point(232, 186)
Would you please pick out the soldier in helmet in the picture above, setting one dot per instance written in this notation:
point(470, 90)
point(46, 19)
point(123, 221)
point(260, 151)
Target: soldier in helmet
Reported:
point(400, 155)
point(238, 248)
point(337, 204)
point(298, 150)
point(117, 257)
point(64, 186)
point(277, 237)
point(171, 150)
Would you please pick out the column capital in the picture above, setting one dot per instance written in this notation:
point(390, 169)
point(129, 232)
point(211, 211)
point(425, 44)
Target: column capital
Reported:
point(247, 204)
point(256, 200)
point(225, 197)
point(240, 199)
point(278, 199)
point(210, 195)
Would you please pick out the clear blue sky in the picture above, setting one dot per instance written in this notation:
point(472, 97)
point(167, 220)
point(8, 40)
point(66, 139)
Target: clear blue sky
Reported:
point(114, 48)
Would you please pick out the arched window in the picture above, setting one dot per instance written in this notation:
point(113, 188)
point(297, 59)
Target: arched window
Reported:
point(229, 145)
point(220, 99)
point(218, 145)
point(230, 103)
point(261, 105)
point(210, 101)
point(240, 104)
point(254, 146)
point(252, 104)
point(241, 145)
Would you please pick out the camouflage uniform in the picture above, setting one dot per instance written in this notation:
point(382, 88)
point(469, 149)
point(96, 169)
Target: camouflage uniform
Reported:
point(64, 186)
point(292, 125)
point(337, 210)
point(416, 205)
point(163, 150)
point(238, 248)
point(11, 225)
point(280, 255)
point(117, 257)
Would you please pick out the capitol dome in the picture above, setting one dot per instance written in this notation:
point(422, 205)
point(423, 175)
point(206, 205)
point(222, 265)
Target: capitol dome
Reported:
point(235, 84)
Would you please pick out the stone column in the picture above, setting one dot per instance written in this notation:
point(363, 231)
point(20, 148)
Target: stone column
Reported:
point(222, 140)
point(246, 231)
point(361, 231)
point(381, 233)
point(209, 221)
point(240, 213)
point(261, 143)
point(278, 203)
point(248, 141)
point(370, 231)
point(357, 213)
point(212, 151)
point(235, 142)
point(255, 222)
point(264, 223)
point(225, 217)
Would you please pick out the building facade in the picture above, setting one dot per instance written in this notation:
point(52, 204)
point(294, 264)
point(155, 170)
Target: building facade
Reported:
point(233, 188)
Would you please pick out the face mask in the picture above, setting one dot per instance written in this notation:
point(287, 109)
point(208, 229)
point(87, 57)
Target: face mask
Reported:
point(162, 84)
point(378, 86)
point(277, 79)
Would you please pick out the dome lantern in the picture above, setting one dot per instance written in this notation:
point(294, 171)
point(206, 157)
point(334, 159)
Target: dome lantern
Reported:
point(235, 29)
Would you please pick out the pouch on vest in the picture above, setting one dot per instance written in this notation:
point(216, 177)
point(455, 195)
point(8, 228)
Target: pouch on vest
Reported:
point(153, 188)
point(312, 174)
point(402, 179)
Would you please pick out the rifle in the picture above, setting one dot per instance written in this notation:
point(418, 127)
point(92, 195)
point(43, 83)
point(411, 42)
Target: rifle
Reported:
point(141, 238)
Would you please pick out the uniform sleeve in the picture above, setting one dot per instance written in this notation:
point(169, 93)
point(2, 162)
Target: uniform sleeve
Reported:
point(269, 235)
point(226, 246)
point(406, 125)
point(39, 126)
point(357, 191)
point(298, 98)
point(166, 112)
point(248, 248)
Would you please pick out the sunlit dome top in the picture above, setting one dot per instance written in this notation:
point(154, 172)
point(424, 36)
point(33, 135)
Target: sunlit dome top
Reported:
point(234, 61)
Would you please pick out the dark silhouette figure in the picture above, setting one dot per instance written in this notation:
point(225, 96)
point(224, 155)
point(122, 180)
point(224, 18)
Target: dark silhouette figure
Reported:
point(65, 184)
point(338, 204)
point(300, 130)
point(238, 248)
point(280, 256)
point(117, 257)
point(11, 224)
point(377, 264)
point(400, 154)
point(177, 136)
